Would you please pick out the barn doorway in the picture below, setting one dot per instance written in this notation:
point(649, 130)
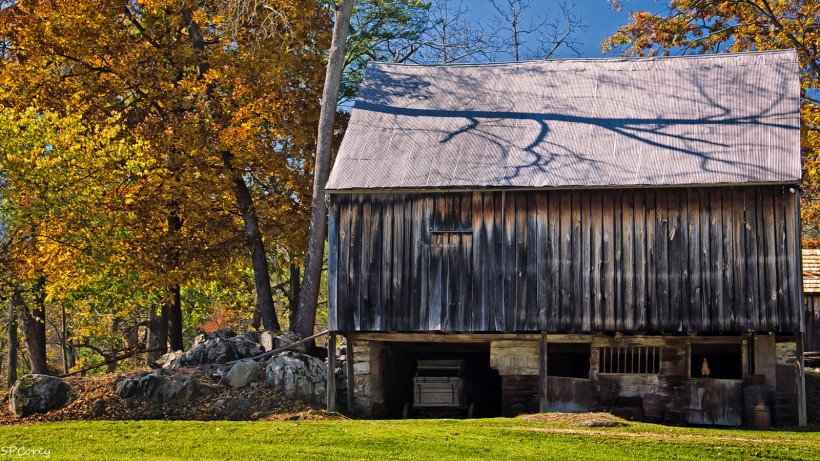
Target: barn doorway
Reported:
point(400, 364)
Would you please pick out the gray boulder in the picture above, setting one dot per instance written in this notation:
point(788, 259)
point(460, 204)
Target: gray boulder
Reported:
point(172, 360)
point(156, 388)
point(38, 394)
point(298, 376)
point(127, 388)
point(271, 340)
point(241, 374)
point(245, 348)
point(214, 350)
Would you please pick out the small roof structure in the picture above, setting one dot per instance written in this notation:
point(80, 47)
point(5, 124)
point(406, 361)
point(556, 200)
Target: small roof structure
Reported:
point(811, 271)
point(622, 122)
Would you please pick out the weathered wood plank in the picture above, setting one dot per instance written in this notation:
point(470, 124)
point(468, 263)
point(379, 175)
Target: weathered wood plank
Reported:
point(761, 258)
point(374, 310)
point(521, 266)
point(597, 261)
point(706, 260)
point(345, 314)
point(356, 253)
point(675, 236)
point(532, 255)
point(411, 313)
point(617, 230)
point(416, 277)
point(386, 281)
point(333, 266)
point(608, 267)
point(628, 260)
point(543, 259)
point(718, 264)
point(792, 218)
point(728, 313)
point(662, 255)
point(554, 233)
point(437, 274)
point(497, 274)
point(651, 262)
point(565, 287)
point(586, 262)
point(751, 260)
point(363, 298)
point(695, 247)
point(452, 253)
point(769, 307)
point(739, 259)
point(426, 226)
point(477, 260)
point(576, 260)
point(399, 311)
point(509, 270)
point(639, 247)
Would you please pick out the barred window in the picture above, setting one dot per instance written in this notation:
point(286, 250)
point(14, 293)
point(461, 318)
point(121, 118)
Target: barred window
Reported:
point(630, 359)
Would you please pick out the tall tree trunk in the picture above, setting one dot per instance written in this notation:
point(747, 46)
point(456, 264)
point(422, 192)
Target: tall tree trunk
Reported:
point(294, 289)
point(173, 314)
point(33, 320)
point(259, 260)
point(13, 341)
point(172, 305)
point(306, 314)
point(162, 330)
point(244, 200)
point(64, 340)
point(151, 331)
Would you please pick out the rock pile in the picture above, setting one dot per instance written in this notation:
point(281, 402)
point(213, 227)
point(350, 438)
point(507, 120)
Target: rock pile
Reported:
point(295, 374)
point(216, 378)
point(38, 394)
point(299, 376)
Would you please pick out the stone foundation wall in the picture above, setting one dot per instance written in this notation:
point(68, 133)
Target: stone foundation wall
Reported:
point(368, 386)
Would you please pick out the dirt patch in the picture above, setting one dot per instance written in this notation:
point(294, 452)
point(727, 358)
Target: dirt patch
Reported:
point(578, 419)
point(97, 399)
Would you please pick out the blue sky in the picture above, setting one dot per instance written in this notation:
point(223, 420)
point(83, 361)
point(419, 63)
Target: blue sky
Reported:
point(598, 15)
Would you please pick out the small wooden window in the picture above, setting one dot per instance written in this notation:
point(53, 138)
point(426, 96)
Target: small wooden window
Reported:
point(630, 359)
point(452, 214)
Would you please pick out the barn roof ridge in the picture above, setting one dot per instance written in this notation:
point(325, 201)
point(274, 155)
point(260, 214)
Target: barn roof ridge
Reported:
point(613, 59)
point(611, 122)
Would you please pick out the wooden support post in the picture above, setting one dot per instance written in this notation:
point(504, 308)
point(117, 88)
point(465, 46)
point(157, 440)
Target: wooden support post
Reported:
point(350, 380)
point(543, 404)
point(331, 371)
point(800, 376)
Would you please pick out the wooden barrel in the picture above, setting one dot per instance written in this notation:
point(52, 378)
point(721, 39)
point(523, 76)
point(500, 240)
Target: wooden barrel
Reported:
point(652, 407)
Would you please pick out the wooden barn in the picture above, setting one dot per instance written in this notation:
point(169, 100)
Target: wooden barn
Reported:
point(811, 298)
point(572, 235)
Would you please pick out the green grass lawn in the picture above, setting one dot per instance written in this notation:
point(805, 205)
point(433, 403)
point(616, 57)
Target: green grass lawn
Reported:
point(493, 439)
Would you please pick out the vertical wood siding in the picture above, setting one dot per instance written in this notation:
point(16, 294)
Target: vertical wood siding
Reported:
point(640, 260)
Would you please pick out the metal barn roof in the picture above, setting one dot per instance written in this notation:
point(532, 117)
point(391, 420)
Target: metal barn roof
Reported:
point(661, 121)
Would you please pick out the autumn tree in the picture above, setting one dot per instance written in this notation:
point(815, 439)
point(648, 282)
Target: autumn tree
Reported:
point(49, 167)
point(222, 107)
point(694, 26)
